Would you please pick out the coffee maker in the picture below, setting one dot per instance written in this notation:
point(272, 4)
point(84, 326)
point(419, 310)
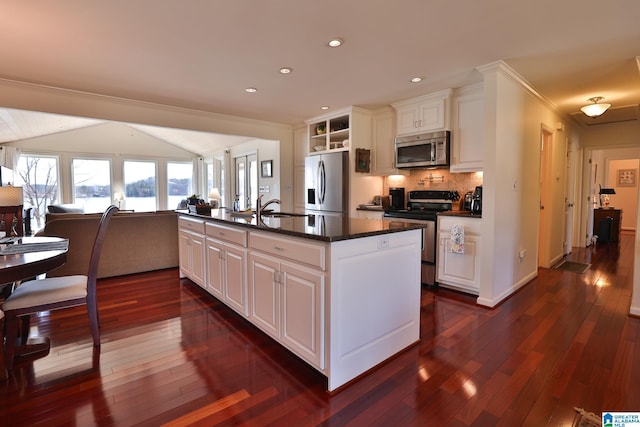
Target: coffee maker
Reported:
point(397, 198)
point(476, 201)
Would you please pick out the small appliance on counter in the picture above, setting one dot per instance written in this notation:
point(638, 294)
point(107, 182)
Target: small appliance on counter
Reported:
point(476, 202)
point(397, 198)
point(468, 200)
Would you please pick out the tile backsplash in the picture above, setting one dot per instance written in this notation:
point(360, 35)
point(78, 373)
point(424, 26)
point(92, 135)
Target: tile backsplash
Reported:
point(435, 179)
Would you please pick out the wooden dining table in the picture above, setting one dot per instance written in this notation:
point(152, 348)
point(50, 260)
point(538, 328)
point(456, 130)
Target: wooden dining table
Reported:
point(21, 266)
point(16, 267)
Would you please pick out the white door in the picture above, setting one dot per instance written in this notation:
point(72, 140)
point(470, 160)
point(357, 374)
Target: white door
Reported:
point(247, 180)
point(265, 294)
point(215, 264)
point(235, 267)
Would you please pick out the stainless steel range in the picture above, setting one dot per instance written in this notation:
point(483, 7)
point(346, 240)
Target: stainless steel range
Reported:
point(423, 207)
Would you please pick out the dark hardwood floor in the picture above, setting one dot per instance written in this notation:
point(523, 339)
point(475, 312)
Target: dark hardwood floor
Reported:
point(171, 354)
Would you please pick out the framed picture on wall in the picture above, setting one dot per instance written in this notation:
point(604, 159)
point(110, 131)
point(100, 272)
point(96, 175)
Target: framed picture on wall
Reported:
point(266, 168)
point(626, 177)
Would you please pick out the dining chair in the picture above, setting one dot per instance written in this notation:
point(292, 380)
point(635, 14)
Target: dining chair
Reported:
point(55, 293)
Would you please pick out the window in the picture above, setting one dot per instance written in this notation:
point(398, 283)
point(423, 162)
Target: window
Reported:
point(179, 183)
point(38, 176)
point(140, 186)
point(92, 184)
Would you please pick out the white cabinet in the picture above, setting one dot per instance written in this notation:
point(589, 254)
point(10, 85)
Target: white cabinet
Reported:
point(227, 266)
point(328, 133)
point(287, 296)
point(467, 129)
point(383, 148)
point(460, 271)
point(191, 249)
point(423, 114)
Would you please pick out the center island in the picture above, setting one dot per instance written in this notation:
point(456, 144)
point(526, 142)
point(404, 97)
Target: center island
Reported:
point(343, 294)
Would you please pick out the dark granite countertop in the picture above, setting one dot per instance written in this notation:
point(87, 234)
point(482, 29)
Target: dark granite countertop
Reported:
point(326, 228)
point(466, 214)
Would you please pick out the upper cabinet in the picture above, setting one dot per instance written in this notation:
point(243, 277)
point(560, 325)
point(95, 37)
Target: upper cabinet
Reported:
point(329, 133)
point(423, 114)
point(467, 129)
point(383, 160)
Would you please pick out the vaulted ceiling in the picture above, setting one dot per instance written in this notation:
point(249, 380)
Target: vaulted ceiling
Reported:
point(204, 54)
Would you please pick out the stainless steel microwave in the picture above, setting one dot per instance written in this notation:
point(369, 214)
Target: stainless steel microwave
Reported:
point(426, 150)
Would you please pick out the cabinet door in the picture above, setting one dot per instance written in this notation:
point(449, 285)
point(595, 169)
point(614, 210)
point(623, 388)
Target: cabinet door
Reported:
point(265, 294)
point(384, 155)
point(215, 265)
point(184, 253)
point(461, 271)
point(431, 115)
point(468, 134)
point(235, 266)
point(407, 119)
point(198, 257)
point(303, 313)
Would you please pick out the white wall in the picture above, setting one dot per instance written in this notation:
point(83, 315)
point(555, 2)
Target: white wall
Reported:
point(53, 100)
point(510, 214)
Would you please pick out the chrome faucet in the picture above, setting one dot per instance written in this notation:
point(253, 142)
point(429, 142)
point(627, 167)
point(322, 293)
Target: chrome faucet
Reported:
point(260, 207)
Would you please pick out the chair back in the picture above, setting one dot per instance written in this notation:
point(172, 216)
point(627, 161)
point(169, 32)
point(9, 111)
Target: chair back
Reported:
point(97, 249)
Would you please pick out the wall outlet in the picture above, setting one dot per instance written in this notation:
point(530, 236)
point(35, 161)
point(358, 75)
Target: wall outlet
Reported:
point(522, 254)
point(383, 242)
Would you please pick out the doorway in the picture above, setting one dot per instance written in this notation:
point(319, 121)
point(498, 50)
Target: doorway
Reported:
point(246, 180)
point(546, 150)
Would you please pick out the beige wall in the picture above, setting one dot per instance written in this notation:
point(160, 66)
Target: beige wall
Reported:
point(626, 197)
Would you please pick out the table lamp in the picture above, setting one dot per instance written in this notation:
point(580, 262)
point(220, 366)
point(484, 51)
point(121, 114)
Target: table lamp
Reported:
point(119, 197)
point(214, 197)
point(11, 196)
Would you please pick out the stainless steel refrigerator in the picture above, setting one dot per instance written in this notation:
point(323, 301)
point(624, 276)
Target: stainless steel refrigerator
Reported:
point(326, 181)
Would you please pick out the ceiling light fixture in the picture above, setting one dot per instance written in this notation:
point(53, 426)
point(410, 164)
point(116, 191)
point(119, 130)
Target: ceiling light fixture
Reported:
point(251, 90)
point(286, 70)
point(416, 79)
point(595, 109)
point(324, 107)
point(334, 43)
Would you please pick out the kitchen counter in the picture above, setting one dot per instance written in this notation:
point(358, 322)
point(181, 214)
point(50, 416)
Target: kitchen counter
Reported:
point(342, 294)
point(464, 214)
point(326, 228)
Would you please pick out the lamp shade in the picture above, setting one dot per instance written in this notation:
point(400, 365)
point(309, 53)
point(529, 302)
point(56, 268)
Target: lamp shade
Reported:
point(607, 191)
point(214, 197)
point(11, 196)
point(595, 109)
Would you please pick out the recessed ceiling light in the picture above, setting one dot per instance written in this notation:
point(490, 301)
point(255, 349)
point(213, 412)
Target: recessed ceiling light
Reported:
point(251, 90)
point(416, 79)
point(334, 43)
point(286, 70)
point(324, 107)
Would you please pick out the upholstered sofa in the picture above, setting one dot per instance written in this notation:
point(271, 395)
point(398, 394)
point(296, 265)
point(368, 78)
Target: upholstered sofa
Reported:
point(135, 242)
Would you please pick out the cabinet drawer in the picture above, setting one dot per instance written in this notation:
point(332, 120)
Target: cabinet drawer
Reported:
point(305, 252)
point(228, 234)
point(193, 225)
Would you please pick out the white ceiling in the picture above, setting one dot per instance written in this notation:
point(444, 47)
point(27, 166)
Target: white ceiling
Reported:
point(203, 54)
